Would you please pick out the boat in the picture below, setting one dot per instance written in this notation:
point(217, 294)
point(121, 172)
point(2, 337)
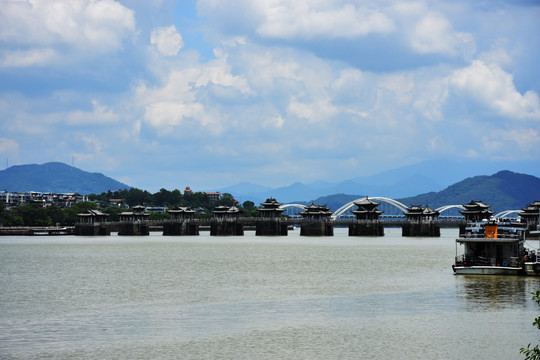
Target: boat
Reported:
point(532, 257)
point(491, 247)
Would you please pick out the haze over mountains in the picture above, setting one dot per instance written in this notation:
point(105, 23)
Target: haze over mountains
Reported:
point(416, 184)
point(399, 183)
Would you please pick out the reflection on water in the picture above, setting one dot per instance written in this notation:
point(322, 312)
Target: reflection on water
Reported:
point(481, 292)
point(255, 298)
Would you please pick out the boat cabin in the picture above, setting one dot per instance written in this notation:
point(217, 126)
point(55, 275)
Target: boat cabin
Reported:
point(491, 244)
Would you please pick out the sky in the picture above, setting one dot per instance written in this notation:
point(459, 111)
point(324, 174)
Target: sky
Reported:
point(208, 93)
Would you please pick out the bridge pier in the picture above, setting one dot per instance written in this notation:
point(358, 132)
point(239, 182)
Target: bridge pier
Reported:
point(95, 229)
point(316, 228)
point(226, 228)
point(420, 221)
point(428, 229)
point(181, 227)
point(366, 228)
point(269, 227)
point(133, 228)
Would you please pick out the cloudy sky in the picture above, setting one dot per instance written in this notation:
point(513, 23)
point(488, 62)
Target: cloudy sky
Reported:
point(208, 93)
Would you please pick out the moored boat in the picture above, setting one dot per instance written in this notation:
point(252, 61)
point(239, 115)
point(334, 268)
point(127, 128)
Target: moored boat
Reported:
point(493, 247)
point(532, 257)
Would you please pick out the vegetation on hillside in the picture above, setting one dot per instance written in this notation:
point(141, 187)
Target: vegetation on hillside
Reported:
point(55, 177)
point(503, 191)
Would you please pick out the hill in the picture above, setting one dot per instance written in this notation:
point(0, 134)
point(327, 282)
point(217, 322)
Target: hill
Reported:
point(505, 190)
point(402, 182)
point(56, 177)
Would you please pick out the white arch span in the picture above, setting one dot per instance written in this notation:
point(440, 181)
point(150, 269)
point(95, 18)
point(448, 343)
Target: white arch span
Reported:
point(505, 213)
point(448, 207)
point(402, 207)
point(349, 205)
point(301, 207)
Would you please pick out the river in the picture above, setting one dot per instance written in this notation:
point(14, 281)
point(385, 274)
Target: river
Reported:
point(251, 297)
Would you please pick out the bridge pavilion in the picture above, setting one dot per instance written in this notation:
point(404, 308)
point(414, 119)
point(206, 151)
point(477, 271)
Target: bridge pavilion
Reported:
point(92, 222)
point(421, 221)
point(134, 222)
point(180, 222)
point(474, 211)
point(271, 223)
point(316, 221)
point(530, 215)
point(226, 221)
point(367, 216)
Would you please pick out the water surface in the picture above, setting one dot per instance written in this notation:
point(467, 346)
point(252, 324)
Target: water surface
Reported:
point(254, 297)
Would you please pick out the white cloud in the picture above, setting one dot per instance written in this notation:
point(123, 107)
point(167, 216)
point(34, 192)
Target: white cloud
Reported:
point(8, 145)
point(316, 111)
point(90, 26)
point(429, 31)
point(276, 121)
point(27, 58)
point(165, 115)
point(401, 86)
point(494, 88)
point(101, 114)
point(433, 34)
point(307, 20)
point(497, 55)
point(167, 40)
point(497, 142)
point(176, 101)
point(431, 96)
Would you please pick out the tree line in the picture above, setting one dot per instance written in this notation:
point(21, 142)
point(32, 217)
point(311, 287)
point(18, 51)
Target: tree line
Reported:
point(37, 215)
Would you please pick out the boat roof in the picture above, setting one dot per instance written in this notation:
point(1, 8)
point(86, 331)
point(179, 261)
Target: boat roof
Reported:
point(489, 240)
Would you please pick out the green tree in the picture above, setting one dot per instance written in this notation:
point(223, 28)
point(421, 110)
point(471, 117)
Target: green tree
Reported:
point(249, 208)
point(159, 216)
point(56, 214)
point(2, 212)
point(70, 213)
point(114, 213)
point(176, 197)
point(28, 215)
point(534, 352)
point(225, 199)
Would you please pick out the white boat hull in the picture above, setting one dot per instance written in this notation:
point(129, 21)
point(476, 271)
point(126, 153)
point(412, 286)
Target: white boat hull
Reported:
point(486, 270)
point(532, 268)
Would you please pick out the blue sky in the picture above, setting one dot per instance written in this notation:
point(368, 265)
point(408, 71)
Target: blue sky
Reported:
point(212, 93)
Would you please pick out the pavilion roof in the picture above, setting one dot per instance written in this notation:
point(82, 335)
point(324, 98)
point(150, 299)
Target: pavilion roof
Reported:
point(366, 201)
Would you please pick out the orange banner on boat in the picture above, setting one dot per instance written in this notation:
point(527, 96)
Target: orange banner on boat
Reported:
point(491, 231)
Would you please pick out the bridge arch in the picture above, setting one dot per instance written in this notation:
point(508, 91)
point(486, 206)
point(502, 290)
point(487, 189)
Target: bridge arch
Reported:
point(448, 207)
point(298, 206)
point(344, 208)
point(505, 213)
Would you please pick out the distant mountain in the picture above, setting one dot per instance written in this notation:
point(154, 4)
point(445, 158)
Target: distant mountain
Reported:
point(56, 177)
point(505, 190)
point(402, 182)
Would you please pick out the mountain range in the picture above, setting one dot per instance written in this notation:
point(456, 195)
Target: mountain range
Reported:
point(505, 190)
point(412, 185)
point(56, 177)
point(400, 183)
